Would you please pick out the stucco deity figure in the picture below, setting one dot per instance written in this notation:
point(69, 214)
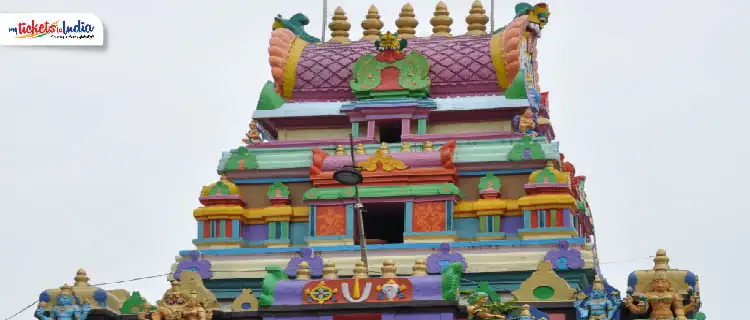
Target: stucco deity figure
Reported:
point(526, 124)
point(478, 308)
point(597, 306)
point(253, 136)
point(67, 307)
point(177, 306)
point(664, 303)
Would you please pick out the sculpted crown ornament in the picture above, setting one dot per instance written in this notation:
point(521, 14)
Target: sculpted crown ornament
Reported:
point(175, 305)
point(390, 42)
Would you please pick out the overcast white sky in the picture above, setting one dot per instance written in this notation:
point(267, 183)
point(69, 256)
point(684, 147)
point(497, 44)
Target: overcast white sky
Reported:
point(104, 151)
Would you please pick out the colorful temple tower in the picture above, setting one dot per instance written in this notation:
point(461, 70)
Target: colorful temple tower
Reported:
point(468, 208)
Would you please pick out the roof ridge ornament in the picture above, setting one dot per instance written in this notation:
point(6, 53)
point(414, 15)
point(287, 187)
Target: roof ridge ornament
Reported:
point(391, 73)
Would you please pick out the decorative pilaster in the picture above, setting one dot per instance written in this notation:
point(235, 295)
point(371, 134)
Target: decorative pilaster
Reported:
point(422, 126)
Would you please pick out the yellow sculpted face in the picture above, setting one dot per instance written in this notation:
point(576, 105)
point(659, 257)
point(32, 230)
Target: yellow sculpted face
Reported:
point(660, 285)
point(538, 19)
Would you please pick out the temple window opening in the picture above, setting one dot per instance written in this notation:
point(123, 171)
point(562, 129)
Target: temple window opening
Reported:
point(384, 223)
point(390, 131)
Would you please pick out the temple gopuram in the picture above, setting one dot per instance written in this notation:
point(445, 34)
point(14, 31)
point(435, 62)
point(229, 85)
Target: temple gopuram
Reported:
point(396, 177)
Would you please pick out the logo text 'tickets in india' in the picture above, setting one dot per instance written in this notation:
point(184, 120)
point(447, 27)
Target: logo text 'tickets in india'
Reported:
point(57, 29)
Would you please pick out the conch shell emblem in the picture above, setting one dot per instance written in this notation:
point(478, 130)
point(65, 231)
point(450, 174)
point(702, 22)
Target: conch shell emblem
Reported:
point(390, 290)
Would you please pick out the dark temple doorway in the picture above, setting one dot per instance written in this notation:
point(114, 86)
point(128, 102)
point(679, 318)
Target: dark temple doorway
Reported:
point(384, 223)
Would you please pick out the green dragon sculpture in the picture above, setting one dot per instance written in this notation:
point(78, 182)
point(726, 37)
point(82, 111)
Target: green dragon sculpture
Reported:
point(274, 274)
point(451, 281)
point(296, 24)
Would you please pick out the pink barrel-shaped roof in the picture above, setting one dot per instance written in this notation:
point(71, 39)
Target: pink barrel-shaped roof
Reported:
point(459, 66)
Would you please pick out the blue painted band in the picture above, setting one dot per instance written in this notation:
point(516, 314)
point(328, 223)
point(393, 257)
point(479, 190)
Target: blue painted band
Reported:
point(408, 213)
point(440, 233)
point(466, 244)
point(350, 220)
point(312, 221)
point(200, 229)
point(491, 234)
point(217, 240)
point(276, 241)
point(236, 229)
point(545, 230)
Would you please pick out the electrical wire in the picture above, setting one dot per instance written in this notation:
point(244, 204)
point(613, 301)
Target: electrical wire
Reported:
point(263, 270)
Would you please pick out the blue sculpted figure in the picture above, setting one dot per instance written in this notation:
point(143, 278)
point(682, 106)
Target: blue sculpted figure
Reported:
point(66, 306)
point(597, 306)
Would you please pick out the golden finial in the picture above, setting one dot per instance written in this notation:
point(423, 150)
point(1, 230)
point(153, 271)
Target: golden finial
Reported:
point(405, 147)
point(371, 25)
point(388, 270)
point(441, 21)
point(525, 311)
point(330, 271)
point(549, 164)
point(384, 148)
point(406, 22)
point(427, 146)
point(476, 21)
point(419, 269)
point(360, 271)
point(661, 261)
point(303, 271)
point(361, 149)
point(340, 150)
point(339, 26)
point(81, 279)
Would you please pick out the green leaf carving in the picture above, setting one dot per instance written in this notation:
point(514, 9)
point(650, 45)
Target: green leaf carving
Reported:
point(517, 152)
point(413, 76)
point(277, 185)
point(484, 287)
point(451, 281)
point(241, 159)
point(546, 173)
point(414, 71)
point(134, 304)
point(366, 73)
point(484, 182)
point(274, 274)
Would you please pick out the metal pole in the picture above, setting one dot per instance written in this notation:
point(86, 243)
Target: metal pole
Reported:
point(492, 16)
point(325, 19)
point(358, 211)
